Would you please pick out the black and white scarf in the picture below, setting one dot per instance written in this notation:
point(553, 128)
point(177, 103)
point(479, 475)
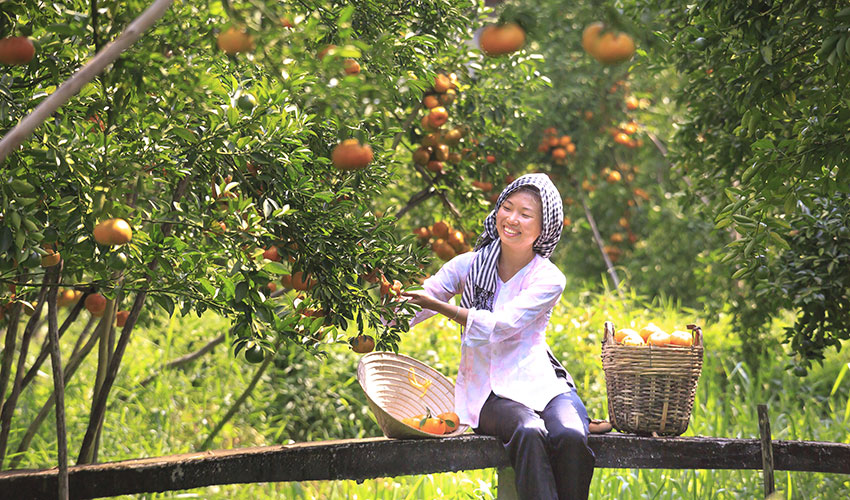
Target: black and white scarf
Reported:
point(480, 286)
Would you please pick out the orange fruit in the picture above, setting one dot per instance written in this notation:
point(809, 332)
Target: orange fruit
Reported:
point(351, 66)
point(453, 136)
point(437, 117)
point(113, 232)
point(351, 155)
point(362, 344)
point(271, 253)
point(51, 259)
point(680, 338)
point(301, 282)
point(430, 101)
point(121, 317)
point(620, 334)
point(658, 338)
point(440, 229)
point(607, 47)
point(234, 40)
point(456, 239)
point(434, 426)
point(442, 83)
point(484, 186)
point(422, 155)
point(448, 97)
point(633, 340)
point(16, 50)
point(648, 330)
point(445, 251)
point(496, 40)
point(423, 233)
point(451, 419)
point(96, 304)
point(324, 52)
point(68, 297)
point(559, 153)
point(435, 166)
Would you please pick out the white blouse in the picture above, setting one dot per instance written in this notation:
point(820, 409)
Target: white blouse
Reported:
point(503, 351)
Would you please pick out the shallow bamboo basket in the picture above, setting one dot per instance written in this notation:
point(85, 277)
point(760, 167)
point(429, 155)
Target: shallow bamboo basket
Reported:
point(391, 397)
point(651, 388)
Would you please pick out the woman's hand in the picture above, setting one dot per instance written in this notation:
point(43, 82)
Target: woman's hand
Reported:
point(420, 298)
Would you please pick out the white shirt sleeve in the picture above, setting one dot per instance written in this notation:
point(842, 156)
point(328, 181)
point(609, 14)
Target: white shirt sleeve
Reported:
point(540, 297)
point(446, 283)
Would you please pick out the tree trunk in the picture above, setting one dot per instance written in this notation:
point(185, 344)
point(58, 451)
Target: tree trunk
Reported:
point(54, 274)
point(75, 360)
point(9, 406)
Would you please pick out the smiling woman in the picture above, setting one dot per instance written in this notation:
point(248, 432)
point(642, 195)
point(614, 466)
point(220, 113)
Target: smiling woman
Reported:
point(509, 383)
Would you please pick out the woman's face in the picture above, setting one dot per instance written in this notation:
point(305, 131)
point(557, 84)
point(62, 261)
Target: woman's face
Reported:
point(519, 220)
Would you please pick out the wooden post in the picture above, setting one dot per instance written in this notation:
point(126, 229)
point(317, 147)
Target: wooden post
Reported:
point(766, 450)
point(506, 486)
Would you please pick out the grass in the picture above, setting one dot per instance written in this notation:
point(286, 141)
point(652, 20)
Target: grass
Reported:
point(305, 398)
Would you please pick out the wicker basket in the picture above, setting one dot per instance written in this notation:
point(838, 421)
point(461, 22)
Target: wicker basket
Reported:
point(384, 378)
point(651, 389)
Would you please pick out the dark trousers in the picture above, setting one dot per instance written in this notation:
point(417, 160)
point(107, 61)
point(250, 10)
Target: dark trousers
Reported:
point(548, 449)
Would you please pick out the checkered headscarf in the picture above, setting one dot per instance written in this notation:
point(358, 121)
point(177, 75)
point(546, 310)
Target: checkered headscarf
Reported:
point(480, 286)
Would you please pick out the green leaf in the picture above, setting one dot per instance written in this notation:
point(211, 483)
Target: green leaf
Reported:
point(241, 291)
point(779, 240)
point(275, 267)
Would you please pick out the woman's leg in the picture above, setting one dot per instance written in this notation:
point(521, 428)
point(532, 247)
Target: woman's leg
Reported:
point(525, 438)
point(572, 459)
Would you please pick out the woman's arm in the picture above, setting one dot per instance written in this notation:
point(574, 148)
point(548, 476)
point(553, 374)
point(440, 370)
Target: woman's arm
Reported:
point(440, 288)
point(513, 317)
point(427, 302)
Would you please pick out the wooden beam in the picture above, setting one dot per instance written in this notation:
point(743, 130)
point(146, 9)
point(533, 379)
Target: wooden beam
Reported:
point(369, 458)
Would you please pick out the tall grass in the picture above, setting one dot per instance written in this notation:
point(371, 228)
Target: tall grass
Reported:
point(305, 398)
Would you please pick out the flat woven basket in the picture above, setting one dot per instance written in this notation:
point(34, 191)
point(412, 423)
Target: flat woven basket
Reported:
point(651, 388)
point(391, 397)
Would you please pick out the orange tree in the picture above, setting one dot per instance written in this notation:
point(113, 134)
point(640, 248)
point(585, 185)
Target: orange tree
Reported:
point(766, 136)
point(597, 118)
point(214, 139)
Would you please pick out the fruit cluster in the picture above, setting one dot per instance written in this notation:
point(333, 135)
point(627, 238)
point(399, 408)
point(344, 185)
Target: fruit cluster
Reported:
point(444, 423)
point(654, 336)
point(559, 148)
point(435, 146)
point(444, 240)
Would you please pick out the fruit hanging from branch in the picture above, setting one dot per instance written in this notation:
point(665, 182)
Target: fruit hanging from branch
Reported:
point(605, 46)
point(113, 232)
point(234, 40)
point(351, 155)
point(16, 50)
point(496, 40)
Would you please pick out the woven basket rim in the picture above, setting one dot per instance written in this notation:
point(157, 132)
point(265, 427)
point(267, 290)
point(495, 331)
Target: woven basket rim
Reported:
point(390, 425)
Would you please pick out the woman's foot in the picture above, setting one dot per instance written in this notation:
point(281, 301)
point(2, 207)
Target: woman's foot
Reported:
point(599, 426)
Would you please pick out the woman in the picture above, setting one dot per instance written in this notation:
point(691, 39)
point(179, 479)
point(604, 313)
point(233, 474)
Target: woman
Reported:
point(509, 384)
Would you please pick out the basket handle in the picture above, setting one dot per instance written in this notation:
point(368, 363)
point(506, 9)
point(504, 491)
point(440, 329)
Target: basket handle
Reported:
point(697, 333)
point(608, 338)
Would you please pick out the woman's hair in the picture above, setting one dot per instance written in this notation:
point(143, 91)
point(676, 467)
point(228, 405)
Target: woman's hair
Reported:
point(529, 188)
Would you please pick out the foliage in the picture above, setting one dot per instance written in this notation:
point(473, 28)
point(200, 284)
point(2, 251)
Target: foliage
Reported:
point(764, 88)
